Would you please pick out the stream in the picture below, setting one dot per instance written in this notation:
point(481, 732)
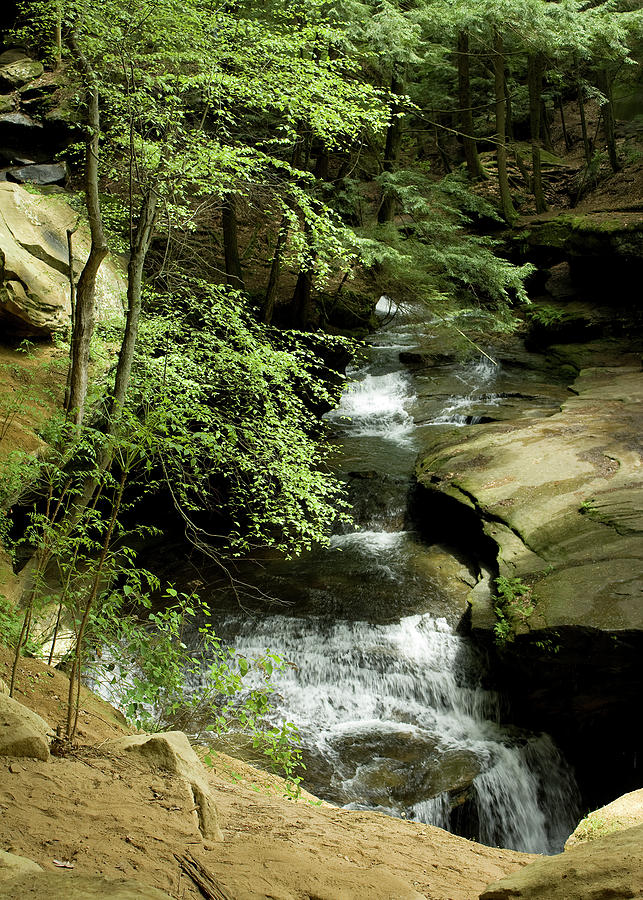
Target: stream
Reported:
point(389, 694)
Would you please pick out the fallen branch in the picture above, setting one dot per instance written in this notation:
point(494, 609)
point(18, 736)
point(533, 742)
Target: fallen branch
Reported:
point(209, 888)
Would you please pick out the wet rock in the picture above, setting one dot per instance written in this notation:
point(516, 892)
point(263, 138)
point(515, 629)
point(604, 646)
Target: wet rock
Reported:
point(54, 173)
point(16, 69)
point(400, 768)
point(624, 812)
point(22, 732)
point(607, 869)
point(173, 753)
point(12, 866)
point(73, 886)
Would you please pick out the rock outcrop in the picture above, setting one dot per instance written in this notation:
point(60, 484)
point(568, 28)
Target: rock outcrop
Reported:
point(624, 812)
point(557, 503)
point(72, 886)
point(34, 282)
point(12, 866)
point(607, 869)
point(562, 500)
point(22, 732)
point(596, 244)
point(172, 752)
point(16, 69)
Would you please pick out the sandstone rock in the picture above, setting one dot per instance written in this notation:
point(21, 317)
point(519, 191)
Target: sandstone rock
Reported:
point(4, 689)
point(73, 886)
point(624, 812)
point(22, 732)
point(52, 173)
point(562, 499)
point(34, 298)
point(16, 69)
point(172, 752)
point(12, 866)
point(607, 869)
point(6, 103)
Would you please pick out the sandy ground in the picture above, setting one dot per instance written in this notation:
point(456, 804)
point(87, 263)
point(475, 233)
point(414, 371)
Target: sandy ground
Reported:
point(103, 815)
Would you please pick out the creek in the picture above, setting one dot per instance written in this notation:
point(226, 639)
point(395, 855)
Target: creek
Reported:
point(392, 699)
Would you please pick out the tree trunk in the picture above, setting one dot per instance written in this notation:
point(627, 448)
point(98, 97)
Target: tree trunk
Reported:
point(386, 211)
point(474, 166)
point(605, 87)
point(545, 129)
point(234, 275)
point(535, 70)
point(583, 119)
point(140, 246)
point(302, 300)
point(563, 123)
point(508, 209)
point(268, 307)
point(85, 298)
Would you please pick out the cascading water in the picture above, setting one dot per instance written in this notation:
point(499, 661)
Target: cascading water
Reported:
point(388, 697)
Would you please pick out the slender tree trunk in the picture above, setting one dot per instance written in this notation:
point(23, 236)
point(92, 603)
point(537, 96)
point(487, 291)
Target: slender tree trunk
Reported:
point(535, 81)
point(508, 209)
point(270, 299)
point(605, 86)
point(583, 119)
point(322, 165)
point(439, 132)
point(386, 211)
point(474, 166)
point(76, 669)
point(545, 129)
point(140, 246)
point(85, 301)
point(303, 299)
point(58, 35)
point(509, 124)
point(563, 124)
point(234, 275)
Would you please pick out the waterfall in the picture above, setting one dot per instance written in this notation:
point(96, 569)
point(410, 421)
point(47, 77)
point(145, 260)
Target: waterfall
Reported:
point(392, 707)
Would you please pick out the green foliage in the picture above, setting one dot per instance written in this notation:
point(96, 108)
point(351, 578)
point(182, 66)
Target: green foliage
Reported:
point(513, 606)
point(545, 314)
point(434, 255)
point(230, 410)
point(171, 671)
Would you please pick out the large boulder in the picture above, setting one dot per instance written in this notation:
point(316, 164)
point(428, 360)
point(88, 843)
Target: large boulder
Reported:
point(34, 283)
point(22, 732)
point(624, 812)
point(607, 869)
point(73, 886)
point(16, 69)
point(172, 752)
point(12, 866)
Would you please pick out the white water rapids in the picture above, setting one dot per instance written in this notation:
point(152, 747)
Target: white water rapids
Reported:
point(393, 713)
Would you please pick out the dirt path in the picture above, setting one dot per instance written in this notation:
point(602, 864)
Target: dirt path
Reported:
point(105, 816)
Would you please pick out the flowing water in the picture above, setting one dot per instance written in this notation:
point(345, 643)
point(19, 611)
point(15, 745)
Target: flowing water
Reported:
point(389, 696)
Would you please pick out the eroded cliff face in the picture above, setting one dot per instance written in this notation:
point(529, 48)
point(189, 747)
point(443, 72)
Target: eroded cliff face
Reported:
point(557, 502)
point(34, 264)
